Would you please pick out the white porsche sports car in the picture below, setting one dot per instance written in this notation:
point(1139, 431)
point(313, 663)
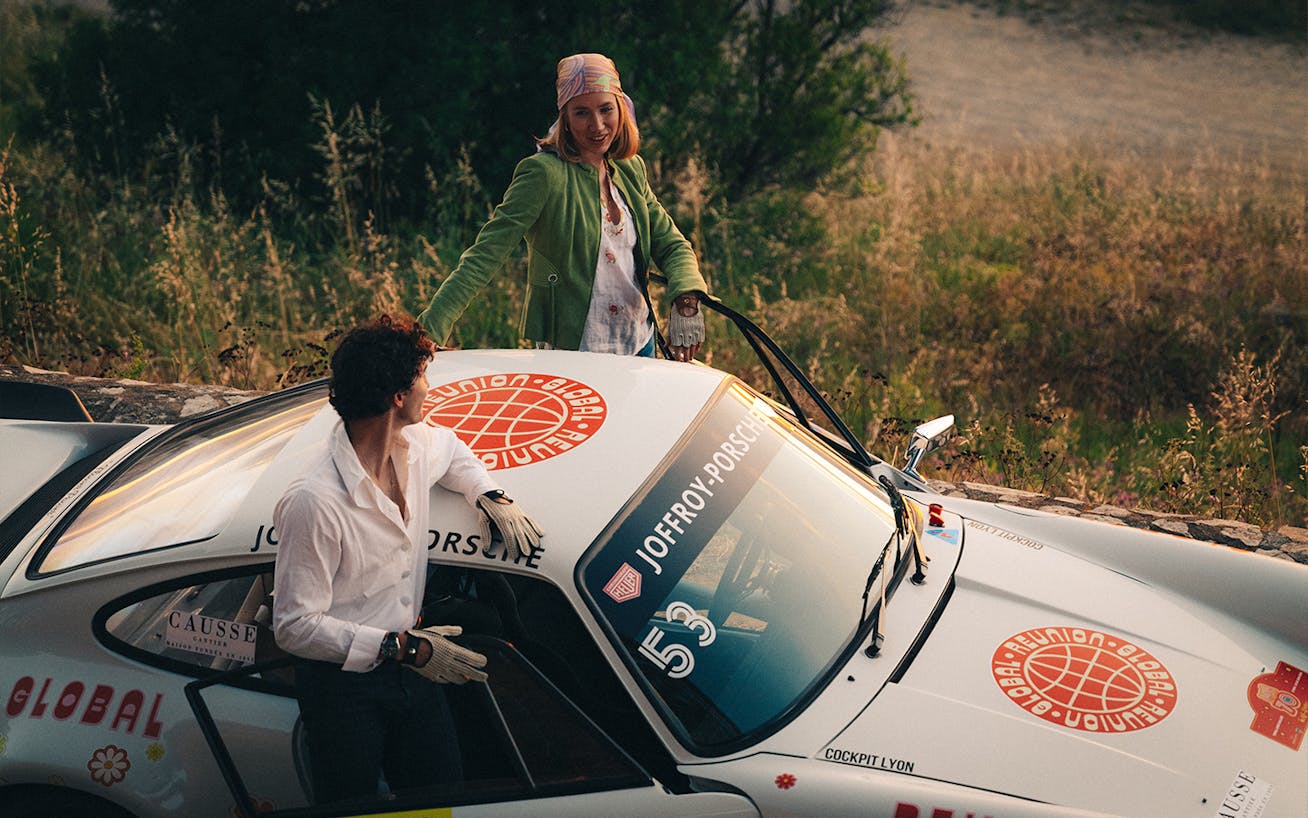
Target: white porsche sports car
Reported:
point(736, 611)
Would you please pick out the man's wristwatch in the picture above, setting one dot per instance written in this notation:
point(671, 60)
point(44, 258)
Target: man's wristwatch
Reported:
point(390, 646)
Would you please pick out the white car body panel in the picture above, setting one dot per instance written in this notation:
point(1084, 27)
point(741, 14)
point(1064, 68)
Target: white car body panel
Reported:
point(788, 786)
point(942, 723)
point(1265, 596)
point(1191, 755)
point(40, 450)
point(654, 802)
point(46, 449)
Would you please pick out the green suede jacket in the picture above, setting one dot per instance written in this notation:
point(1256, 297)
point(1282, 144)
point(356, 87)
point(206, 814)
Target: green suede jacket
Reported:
point(554, 204)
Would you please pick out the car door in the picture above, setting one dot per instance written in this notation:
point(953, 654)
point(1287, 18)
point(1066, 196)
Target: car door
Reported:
point(527, 748)
point(207, 624)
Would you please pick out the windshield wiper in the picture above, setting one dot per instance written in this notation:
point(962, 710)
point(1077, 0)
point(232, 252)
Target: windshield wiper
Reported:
point(902, 529)
point(901, 524)
point(872, 649)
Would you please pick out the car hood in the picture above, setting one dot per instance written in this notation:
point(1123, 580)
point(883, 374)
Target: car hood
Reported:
point(1054, 677)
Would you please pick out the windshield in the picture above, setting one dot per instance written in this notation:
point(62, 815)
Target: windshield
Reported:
point(735, 583)
point(185, 489)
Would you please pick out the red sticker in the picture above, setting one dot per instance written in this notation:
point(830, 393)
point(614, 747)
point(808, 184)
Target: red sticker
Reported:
point(519, 419)
point(1280, 704)
point(624, 585)
point(935, 515)
point(785, 781)
point(1084, 679)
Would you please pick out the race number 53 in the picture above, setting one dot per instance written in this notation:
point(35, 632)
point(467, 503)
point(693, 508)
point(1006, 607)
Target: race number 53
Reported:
point(675, 658)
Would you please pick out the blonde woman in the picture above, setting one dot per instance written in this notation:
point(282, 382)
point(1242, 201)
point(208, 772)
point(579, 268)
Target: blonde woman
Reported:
point(593, 228)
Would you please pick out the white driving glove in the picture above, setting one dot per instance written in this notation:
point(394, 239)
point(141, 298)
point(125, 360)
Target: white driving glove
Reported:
point(449, 663)
point(685, 330)
point(520, 533)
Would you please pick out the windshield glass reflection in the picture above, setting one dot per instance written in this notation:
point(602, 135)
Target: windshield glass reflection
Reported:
point(736, 582)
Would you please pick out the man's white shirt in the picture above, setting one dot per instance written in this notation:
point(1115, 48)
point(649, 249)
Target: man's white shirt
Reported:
point(349, 566)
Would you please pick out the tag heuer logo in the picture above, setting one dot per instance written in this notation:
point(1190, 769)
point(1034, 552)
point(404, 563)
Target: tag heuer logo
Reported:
point(625, 584)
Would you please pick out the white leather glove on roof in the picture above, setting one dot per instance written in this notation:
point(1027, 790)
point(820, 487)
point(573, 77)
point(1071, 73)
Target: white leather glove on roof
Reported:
point(449, 663)
point(519, 532)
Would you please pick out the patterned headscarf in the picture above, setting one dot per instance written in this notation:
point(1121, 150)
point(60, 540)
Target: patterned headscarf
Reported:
point(585, 74)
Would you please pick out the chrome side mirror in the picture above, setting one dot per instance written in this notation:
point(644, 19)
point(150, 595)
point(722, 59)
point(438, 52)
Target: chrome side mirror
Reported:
point(926, 439)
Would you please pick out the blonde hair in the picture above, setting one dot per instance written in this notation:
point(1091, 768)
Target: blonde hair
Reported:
point(626, 142)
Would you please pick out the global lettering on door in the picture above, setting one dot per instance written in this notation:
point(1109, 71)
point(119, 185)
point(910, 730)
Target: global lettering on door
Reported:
point(80, 703)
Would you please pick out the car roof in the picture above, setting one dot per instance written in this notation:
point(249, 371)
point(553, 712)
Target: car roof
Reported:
point(570, 435)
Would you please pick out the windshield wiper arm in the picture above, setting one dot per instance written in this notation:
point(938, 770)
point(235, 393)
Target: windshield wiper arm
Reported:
point(872, 649)
point(901, 524)
point(902, 529)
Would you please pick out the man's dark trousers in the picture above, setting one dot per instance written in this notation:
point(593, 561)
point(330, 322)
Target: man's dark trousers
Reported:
point(359, 725)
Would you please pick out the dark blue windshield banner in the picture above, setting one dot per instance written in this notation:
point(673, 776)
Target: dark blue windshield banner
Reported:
point(663, 534)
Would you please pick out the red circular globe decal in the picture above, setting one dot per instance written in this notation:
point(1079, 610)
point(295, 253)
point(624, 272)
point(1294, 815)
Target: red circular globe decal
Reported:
point(517, 419)
point(1084, 679)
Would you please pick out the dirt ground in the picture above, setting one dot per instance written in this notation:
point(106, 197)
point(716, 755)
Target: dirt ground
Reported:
point(1192, 100)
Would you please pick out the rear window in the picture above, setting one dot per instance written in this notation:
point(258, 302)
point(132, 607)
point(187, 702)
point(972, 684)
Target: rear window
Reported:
point(184, 487)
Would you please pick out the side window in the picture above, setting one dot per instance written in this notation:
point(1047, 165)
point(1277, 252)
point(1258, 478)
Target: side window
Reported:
point(553, 719)
point(541, 624)
point(519, 738)
point(518, 733)
point(213, 622)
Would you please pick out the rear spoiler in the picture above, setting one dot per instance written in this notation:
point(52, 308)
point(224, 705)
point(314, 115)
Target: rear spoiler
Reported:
point(24, 400)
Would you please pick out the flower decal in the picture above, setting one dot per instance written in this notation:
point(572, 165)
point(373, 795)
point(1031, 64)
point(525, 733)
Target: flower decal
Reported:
point(154, 752)
point(109, 765)
point(785, 781)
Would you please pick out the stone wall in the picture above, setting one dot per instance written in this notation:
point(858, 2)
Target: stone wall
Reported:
point(1286, 542)
point(127, 401)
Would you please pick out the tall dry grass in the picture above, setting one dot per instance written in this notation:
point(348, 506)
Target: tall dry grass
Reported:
point(1102, 327)
point(157, 277)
